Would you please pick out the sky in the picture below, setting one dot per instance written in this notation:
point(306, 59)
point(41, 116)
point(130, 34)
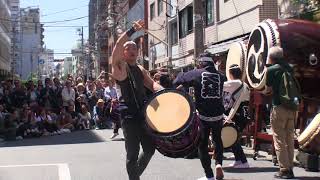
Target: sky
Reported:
point(61, 39)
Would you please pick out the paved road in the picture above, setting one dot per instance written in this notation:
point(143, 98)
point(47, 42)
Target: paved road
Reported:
point(90, 155)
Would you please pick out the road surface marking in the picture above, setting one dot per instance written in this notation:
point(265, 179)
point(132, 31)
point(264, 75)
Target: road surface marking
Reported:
point(63, 169)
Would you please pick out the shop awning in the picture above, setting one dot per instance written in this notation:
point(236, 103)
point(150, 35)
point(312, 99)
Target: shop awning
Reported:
point(223, 46)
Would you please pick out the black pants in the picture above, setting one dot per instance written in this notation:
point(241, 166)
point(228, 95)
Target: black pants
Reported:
point(135, 134)
point(215, 128)
point(238, 152)
point(241, 122)
point(115, 118)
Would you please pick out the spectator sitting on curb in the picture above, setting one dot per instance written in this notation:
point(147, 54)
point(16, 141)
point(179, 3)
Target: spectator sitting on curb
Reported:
point(100, 115)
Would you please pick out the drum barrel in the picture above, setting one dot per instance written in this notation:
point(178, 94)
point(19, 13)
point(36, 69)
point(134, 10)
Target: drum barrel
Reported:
point(237, 54)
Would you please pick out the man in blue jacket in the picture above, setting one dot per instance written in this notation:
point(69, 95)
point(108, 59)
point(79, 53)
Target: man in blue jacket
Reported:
point(208, 88)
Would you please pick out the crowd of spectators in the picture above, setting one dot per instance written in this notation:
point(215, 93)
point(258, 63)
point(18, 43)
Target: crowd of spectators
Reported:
point(53, 107)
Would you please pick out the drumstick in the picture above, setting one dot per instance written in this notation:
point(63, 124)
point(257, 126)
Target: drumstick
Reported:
point(145, 30)
point(180, 87)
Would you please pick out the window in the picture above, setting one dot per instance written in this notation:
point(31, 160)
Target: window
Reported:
point(14, 7)
point(151, 11)
point(186, 21)
point(160, 7)
point(174, 33)
point(209, 12)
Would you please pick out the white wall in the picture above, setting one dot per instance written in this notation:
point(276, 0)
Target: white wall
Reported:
point(232, 8)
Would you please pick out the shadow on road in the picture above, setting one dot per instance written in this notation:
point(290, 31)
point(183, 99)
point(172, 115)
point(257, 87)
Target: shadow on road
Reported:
point(307, 178)
point(76, 137)
point(251, 170)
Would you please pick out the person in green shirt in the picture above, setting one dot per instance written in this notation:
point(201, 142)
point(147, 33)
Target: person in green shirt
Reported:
point(282, 118)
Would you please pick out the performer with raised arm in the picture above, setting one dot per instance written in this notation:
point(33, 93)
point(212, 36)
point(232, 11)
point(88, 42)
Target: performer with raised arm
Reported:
point(132, 80)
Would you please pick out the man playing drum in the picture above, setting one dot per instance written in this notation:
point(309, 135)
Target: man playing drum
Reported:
point(235, 90)
point(132, 78)
point(208, 86)
point(282, 116)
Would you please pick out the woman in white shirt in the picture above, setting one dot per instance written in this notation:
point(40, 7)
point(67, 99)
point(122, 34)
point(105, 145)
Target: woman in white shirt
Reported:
point(84, 117)
point(68, 95)
point(236, 90)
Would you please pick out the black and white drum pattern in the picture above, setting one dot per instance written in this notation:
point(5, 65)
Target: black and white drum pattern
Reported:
point(264, 36)
point(237, 54)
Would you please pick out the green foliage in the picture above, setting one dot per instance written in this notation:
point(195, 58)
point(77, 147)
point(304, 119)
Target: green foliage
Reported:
point(307, 4)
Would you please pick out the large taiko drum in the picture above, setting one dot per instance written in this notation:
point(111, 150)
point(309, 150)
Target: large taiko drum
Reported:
point(237, 54)
point(172, 121)
point(300, 41)
point(309, 140)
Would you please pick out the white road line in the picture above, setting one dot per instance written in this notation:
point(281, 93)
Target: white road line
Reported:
point(64, 173)
point(63, 169)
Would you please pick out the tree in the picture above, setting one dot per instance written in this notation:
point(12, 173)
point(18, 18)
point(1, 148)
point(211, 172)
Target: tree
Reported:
point(307, 5)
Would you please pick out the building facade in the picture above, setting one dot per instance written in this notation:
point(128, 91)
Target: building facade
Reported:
point(68, 68)
point(116, 23)
point(31, 42)
point(157, 23)
point(78, 64)
point(97, 37)
point(224, 21)
point(135, 12)
point(58, 68)
point(15, 36)
point(5, 37)
point(93, 54)
point(46, 64)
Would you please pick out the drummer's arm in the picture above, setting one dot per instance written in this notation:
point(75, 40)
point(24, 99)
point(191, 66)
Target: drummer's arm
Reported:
point(149, 82)
point(183, 80)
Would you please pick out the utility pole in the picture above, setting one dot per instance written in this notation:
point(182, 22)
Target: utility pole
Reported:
point(197, 28)
point(82, 40)
point(82, 52)
point(114, 17)
point(82, 59)
point(168, 37)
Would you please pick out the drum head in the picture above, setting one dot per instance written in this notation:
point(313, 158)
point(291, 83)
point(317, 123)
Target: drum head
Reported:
point(310, 132)
point(237, 55)
point(264, 36)
point(168, 111)
point(229, 136)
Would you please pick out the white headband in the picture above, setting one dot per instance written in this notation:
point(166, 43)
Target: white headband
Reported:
point(129, 43)
point(205, 59)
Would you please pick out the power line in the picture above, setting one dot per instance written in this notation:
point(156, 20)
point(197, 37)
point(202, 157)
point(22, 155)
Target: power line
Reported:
point(66, 20)
point(66, 10)
point(60, 30)
point(53, 26)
